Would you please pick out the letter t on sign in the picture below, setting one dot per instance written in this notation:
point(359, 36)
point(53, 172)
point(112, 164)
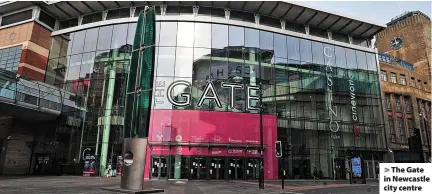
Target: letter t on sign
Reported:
point(233, 87)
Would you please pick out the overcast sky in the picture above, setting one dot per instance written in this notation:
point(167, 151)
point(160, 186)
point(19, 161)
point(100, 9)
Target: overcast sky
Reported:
point(379, 12)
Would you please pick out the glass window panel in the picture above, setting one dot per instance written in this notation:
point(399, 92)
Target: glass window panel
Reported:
point(383, 76)
point(361, 60)
point(166, 61)
point(371, 60)
point(201, 64)
point(168, 34)
point(119, 36)
point(104, 38)
point(202, 35)
point(280, 46)
point(329, 55)
point(351, 59)
point(132, 30)
point(340, 57)
point(266, 40)
point(219, 36)
point(185, 34)
point(293, 45)
point(317, 53)
point(318, 32)
point(236, 36)
point(160, 100)
point(17, 17)
point(184, 62)
point(78, 43)
point(251, 38)
point(74, 67)
point(87, 65)
point(91, 40)
point(305, 50)
point(55, 47)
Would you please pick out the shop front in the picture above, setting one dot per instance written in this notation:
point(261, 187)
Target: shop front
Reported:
point(202, 163)
point(205, 145)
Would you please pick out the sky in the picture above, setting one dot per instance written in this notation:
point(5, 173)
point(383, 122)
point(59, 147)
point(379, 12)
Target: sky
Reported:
point(380, 12)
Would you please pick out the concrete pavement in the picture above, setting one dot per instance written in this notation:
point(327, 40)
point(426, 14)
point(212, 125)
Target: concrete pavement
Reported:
point(92, 185)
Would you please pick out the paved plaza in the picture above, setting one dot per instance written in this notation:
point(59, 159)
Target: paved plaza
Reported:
point(77, 185)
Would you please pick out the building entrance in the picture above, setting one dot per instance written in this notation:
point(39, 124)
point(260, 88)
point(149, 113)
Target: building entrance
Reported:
point(217, 168)
point(159, 167)
point(204, 168)
point(198, 169)
point(252, 169)
point(236, 169)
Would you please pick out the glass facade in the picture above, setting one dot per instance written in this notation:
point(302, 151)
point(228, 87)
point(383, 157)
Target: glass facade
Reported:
point(10, 58)
point(326, 98)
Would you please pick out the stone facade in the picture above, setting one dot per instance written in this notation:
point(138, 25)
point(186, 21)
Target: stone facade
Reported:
point(416, 31)
point(402, 101)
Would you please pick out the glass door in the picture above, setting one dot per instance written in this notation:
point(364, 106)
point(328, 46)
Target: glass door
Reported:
point(198, 168)
point(235, 169)
point(252, 169)
point(159, 167)
point(217, 168)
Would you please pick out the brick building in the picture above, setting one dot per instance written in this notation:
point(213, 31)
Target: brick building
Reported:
point(405, 57)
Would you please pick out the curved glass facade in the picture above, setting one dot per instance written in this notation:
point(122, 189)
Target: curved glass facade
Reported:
point(326, 98)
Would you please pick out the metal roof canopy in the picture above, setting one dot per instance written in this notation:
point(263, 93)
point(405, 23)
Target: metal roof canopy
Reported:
point(290, 11)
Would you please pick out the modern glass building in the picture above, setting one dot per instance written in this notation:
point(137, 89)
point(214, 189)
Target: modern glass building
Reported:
point(317, 70)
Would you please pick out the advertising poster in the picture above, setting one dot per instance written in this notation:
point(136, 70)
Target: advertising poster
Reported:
point(89, 166)
point(356, 167)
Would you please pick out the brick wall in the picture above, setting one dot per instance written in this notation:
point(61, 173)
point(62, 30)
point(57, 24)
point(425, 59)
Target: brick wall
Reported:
point(416, 32)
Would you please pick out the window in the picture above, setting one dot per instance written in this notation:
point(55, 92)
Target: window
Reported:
point(419, 84)
point(383, 76)
point(401, 130)
point(398, 103)
point(69, 23)
point(17, 17)
point(47, 19)
point(96, 17)
point(10, 58)
point(392, 129)
point(425, 86)
point(412, 82)
point(393, 77)
point(402, 79)
point(318, 32)
point(387, 100)
point(295, 27)
point(118, 13)
point(408, 105)
point(340, 37)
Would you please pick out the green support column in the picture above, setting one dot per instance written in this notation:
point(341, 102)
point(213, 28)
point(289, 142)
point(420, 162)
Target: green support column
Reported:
point(177, 166)
point(107, 118)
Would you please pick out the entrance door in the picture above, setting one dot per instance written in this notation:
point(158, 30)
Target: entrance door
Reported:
point(340, 169)
point(236, 169)
point(217, 168)
point(252, 169)
point(159, 167)
point(198, 168)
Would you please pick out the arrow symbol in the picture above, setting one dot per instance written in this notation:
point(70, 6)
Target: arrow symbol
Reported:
point(386, 169)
